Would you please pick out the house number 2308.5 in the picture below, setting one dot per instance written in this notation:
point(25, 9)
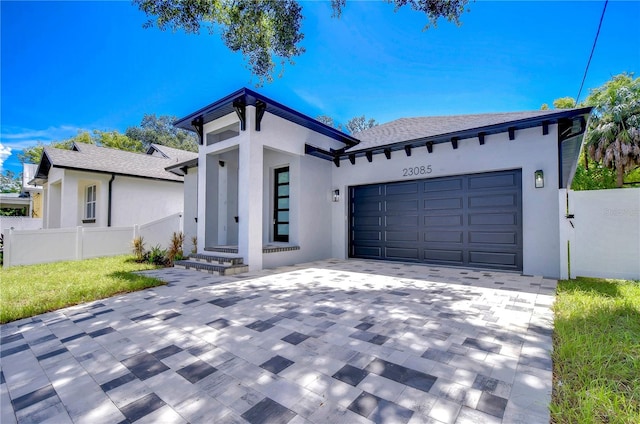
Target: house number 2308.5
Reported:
point(416, 170)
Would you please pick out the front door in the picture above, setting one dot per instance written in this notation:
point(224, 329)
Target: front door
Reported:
point(281, 205)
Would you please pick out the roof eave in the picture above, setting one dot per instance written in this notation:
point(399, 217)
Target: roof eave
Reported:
point(224, 106)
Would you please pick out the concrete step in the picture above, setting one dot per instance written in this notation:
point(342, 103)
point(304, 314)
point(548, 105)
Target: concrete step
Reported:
point(222, 249)
point(217, 258)
point(216, 269)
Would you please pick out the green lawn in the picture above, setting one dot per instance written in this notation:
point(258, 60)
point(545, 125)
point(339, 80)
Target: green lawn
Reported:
point(29, 290)
point(596, 357)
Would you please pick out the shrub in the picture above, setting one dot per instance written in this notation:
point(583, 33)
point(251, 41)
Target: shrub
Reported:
point(138, 248)
point(175, 252)
point(194, 242)
point(158, 256)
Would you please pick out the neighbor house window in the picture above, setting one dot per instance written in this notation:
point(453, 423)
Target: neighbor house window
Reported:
point(281, 205)
point(90, 203)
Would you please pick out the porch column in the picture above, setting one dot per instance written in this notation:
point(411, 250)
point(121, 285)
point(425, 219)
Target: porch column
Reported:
point(202, 202)
point(250, 202)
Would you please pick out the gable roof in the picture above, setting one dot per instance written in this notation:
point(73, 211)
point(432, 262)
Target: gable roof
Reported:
point(443, 128)
point(176, 155)
point(244, 97)
point(91, 158)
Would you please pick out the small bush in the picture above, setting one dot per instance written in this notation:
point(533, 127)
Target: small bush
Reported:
point(158, 256)
point(175, 252)
point(138, 249)
point(194, 242)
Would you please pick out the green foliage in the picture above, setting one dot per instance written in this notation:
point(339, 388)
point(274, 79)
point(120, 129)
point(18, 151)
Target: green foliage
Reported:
point(10, 182)
point(160, 130)
point(138, 248)
point(112, 139)
point(115, 140)
point(266, 31)
point(175, 252)
point(194, 243)
point(595, 178)
point(596, 354)
point(360, 123)
point(158, 256)
point(613, 137)
point(29, 290)
point(564, 103)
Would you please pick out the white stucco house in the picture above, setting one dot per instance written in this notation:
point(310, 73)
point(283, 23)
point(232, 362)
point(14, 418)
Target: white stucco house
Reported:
point(276, 187)
point(92, 186)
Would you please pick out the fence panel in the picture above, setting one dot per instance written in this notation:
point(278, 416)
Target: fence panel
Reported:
point(26, 247)
point(19, 223)
point(606, 239)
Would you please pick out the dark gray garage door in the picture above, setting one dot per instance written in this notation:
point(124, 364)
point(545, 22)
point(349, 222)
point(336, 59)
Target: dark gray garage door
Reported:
point(468, 220)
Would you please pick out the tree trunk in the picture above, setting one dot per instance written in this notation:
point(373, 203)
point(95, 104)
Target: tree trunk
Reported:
point(619, 166)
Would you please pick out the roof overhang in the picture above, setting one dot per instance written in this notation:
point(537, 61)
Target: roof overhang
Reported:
point(246, 97)
point(180, 169)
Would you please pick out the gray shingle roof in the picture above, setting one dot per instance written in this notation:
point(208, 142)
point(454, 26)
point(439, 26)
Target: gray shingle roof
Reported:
point(406, 129)
point(100, 159)
point(176, 155)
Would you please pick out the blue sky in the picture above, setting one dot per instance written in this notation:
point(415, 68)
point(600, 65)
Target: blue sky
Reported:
point(84, 65)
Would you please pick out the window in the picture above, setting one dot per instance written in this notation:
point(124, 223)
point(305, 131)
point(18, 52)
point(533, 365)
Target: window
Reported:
point(90, 204)
point(281, 205)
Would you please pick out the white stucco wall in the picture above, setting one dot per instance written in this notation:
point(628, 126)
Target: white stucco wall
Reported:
point(141, 200)
point(190, 226)
point(529, 151)
point(134, 200)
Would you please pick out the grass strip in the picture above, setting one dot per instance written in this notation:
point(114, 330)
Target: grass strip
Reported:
point(596, 356)
point(30, 290)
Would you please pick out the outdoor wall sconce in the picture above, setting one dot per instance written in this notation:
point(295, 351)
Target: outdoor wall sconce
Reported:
point(539, 178)
point(336, 195)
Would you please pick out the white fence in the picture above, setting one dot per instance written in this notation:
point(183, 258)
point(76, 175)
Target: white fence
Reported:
point(26, 247)
point(602, 239)
point(19, 223)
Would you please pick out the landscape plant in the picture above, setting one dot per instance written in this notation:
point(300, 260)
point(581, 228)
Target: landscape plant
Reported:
point(138, 248)
point(157, 256)
point(175, 251)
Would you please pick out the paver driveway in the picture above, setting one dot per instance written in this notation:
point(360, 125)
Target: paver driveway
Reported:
point(325, 342)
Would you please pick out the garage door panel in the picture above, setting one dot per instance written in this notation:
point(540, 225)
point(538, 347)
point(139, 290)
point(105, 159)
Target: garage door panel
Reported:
point(493, 218)
point(367, 206)
point(368, 252)
point(510, 238)
point(493, 258)
point(445, 203)
point(401, 220)
point(443, 220)
point(401, 205)
point(368, 236)
point(365, 221)
point(402, 253)
point(406, 188)
point(443, 236)
point(439, 256)
point(368, 191)
point(473, 220)
point(493, 181)
point(444, 184)
point(493, 201)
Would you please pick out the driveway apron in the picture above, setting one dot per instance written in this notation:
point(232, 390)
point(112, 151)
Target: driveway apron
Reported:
point(334, 341)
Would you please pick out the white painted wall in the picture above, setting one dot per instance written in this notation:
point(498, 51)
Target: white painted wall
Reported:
point(190, 226)
point(605, 236)
point(134, 200)
point(140, 200)
point(19, 223)
point(529, 151)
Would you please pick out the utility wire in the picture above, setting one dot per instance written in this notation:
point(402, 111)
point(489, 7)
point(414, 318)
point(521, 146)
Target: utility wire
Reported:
point(584, 77)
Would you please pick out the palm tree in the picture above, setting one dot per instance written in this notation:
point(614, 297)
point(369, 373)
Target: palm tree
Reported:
point(613, 137)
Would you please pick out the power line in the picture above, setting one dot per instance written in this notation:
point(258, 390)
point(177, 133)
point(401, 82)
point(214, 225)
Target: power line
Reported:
point(584, 77)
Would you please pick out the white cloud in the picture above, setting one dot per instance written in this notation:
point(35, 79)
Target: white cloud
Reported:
point(18, 138)
point(5, 152)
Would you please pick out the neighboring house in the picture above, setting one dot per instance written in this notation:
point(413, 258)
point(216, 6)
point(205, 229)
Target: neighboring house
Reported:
point(33, 191)
point(279, 187)
point(101, 187)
